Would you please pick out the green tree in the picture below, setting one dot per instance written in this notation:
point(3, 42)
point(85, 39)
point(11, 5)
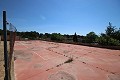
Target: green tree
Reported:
point(57, 37)
point(91, 37)
point(110, 31)
point(107, 40)
point(111, 37)
point(75, 39)
point(40, 35)
point(117, 34)
point(47, 35)
point(30, 35)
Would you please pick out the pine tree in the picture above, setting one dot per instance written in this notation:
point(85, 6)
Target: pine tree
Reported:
point(75, 38)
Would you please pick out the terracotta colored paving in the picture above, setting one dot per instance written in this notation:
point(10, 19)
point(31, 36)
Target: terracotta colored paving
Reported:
point(41, 60)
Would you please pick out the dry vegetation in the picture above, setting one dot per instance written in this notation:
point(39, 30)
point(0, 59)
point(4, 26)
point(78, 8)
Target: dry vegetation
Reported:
point(2, 72)
point(1, 61)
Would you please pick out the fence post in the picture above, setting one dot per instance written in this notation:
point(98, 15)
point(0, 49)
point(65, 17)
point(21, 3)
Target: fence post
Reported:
point(5, 47)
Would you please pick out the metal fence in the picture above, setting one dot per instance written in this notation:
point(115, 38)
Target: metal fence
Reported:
point(12, 34)
point(8, 36)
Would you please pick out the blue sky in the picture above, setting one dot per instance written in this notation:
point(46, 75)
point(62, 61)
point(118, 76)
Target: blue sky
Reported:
point(62, 16)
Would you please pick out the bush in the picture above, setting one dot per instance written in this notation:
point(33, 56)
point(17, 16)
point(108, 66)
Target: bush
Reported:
point(108, 41)
point(69, 60)
point(57, 37)
point(113, 42)
point(91, 37)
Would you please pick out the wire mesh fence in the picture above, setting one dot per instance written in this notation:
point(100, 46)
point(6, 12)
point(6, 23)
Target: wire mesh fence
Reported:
point(12, 36)
point(12, 30)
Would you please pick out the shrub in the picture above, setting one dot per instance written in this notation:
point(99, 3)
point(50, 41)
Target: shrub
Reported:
point(108, 41)
point(69, 60)
point(113, 42)
point(57, 37)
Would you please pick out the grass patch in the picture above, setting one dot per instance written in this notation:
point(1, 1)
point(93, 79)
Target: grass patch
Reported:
point(69, 60)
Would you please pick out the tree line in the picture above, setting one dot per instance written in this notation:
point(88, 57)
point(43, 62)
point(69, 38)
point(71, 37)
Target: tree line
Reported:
point(111, 37)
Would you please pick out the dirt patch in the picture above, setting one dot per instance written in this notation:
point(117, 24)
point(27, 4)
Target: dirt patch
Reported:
point(1, 62)
point(61, 75)
point(22, 55)
point(2, 70)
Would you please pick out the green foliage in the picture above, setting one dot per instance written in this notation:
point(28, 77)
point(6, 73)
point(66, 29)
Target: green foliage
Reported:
point(117, 34)
point(57, 37)
point(75, 39)
point(102, 40)
point(30, 35)
point(113, 32)
point(107, 40)
point(110, 30)
point(111, 37)
point(47, 35)
point(40, 35)
point(113, 42)
point(91, 37)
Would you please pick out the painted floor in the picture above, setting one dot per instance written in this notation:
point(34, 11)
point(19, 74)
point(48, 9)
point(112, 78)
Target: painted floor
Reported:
point(41, 60)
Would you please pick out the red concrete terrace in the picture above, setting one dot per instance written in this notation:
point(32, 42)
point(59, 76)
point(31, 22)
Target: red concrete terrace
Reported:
point(41, 60)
